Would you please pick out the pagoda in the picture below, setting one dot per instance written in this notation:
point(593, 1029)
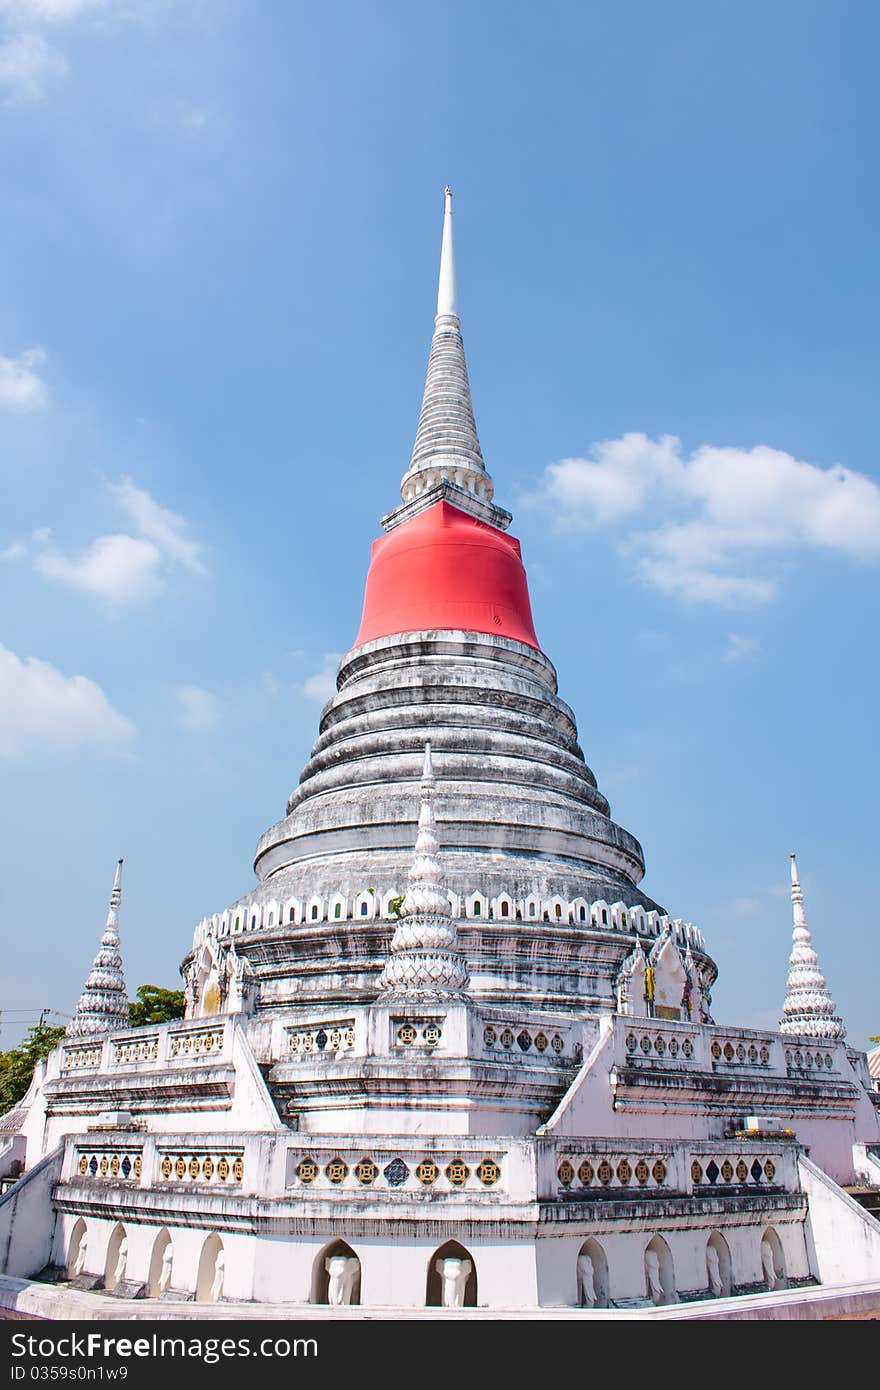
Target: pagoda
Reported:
point(446, 1051)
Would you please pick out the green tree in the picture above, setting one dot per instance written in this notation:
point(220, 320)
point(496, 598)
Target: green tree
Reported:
point(17, 1065)
point(155, 1005)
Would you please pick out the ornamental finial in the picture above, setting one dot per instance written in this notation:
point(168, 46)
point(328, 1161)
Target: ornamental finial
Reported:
point(808, 1010)
point(103, 1004)
point(424, 961)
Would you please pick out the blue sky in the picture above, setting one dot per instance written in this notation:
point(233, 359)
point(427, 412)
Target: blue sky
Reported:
point(220, 230)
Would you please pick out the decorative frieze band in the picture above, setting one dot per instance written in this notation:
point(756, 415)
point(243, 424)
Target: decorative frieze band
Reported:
point(199, 1166)
point(369, 905)
point(449, 1172)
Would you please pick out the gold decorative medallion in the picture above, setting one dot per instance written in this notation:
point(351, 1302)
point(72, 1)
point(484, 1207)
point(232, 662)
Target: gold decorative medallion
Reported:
point(457, 1172)
point(488, 1172)
point(427, 1172)
point(366, 1172)
point(306, 1170)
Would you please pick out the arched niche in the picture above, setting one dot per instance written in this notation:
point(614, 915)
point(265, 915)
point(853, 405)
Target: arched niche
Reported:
point(116, 1263)
point(719, 1274)
point(592, 1278)
point(434, 1292)
point(773, 1261)
point(212, 1270)
point(77, 1250)
point(659, 1272)
point(337, 1284)
point(161, 1244)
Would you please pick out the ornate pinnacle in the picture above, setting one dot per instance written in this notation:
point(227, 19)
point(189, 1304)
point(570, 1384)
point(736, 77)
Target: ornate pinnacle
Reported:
point(425, 962)
point(447, 453)
point(808, 1009)
point(103, 1004)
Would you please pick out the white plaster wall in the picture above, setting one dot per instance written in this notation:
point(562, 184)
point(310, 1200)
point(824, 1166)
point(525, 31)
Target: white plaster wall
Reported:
point(844, 1238)
point(27, 1220)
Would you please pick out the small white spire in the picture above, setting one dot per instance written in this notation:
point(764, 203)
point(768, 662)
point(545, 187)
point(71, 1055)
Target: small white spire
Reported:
point(424, 961)
point(447, 302)
point(103, 1004)
point(808, 1010)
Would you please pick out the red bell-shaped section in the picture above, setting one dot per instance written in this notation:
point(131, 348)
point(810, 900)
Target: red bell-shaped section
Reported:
point(445, 569)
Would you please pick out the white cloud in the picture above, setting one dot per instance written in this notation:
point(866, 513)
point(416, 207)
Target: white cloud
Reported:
point(747, 907)
point(322, 684)
point(740, 648)
point(39, 703)
point(198, 710)
point(122, 568)
point(27, 63)
point(715, 516)
point(21, 388)
point(15, 551)
point(118, 568)
point(167, 530)
point(49, 11)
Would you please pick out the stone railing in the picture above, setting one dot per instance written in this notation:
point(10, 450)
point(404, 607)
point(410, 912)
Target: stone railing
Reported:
point(509, 1038)
point(326, 1039)
point(737, 1051)
point(83, 1056)
point(201, 1041)
point(657, 1043)
point(116, 1163)
point(448, 1172)
point(135, 1048)
point(200, 1165)
point(602, 1169)
point(170, 1044)
point(806, 1060)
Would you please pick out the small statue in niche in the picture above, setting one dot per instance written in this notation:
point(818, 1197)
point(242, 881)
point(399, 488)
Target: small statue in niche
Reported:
point(219, 1275)
point(79, 1263)
point(768, 1265)
point(165, 1273)
point(586, 1282)
point(652, 1274)
point(454, 1274)
point(121, 1262)
point(342, 1271)
point(713, 1267)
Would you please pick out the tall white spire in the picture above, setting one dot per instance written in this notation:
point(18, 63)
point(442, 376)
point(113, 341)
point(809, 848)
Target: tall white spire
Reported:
point(446, 459)
point(103, 1004)
point(808, 1009)
point(425, 962)
point(447, 303)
